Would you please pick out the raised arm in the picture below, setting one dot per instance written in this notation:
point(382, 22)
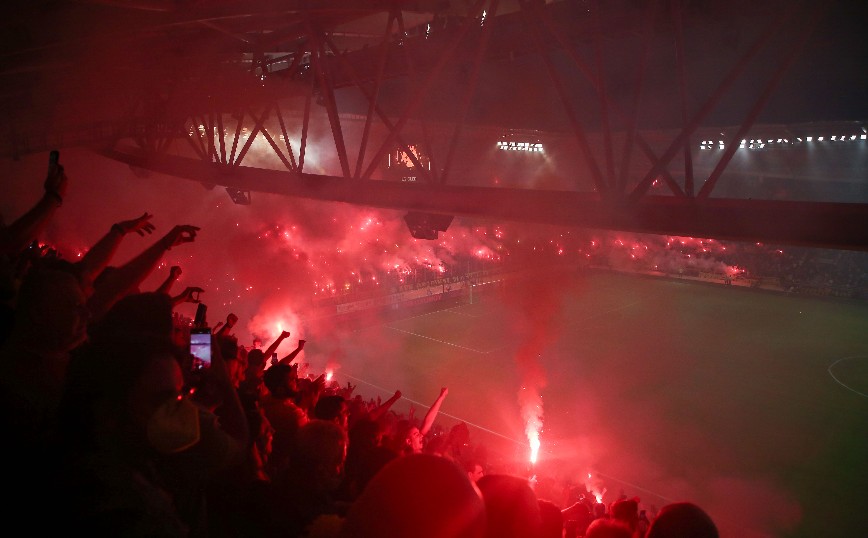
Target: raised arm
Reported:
point(174, 275)
point(19, 234)
point(129, 276)
point(428, 421)
point(274, 345)
point(384, 407)
point(226, 328)
point(189, 295)
point(97, 258)
point(291, 357)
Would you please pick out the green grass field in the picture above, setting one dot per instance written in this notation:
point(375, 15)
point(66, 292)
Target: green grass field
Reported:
point(752, 404)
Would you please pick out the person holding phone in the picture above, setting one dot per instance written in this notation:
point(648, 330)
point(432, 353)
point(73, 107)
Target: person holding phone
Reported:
point(130, 409)
point(15, 238)
point(200, 347)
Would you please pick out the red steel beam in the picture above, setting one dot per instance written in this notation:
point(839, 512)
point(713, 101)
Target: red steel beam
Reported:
point(417, 99)
point(817, 224)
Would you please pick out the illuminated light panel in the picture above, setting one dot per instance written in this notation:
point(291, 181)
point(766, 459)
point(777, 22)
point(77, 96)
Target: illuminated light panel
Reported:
point(762, 143)
point(529, 147)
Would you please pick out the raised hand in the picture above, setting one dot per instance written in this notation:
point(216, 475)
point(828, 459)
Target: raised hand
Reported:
point(190, 295)
point(140, 225)
point(182, 233)
point(348, 391)
point(284, 335)
point(55, 182)
point(175, 272)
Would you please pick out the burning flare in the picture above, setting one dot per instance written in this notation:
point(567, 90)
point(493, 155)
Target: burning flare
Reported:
point(533, 439)
point(532, 414)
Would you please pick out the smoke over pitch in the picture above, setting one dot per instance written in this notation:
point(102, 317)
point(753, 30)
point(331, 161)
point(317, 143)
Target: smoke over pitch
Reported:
point(268, 261)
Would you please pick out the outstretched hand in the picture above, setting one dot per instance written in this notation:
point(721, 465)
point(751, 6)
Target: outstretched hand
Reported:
point(182, 233)
point(140, 225)
point(190, 295)
point(56, 181)
point(348, 391)
point(284, 335)
point(175, 272)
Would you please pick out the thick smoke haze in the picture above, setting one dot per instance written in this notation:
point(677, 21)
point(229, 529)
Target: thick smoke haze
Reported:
point(265, 262)
point(584, 380)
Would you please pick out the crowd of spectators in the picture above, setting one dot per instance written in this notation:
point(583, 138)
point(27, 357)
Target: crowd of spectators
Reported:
point(113, 429)
point(800, 270)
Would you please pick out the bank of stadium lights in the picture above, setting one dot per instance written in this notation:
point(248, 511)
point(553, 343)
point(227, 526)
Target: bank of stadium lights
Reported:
point(763, 143)
point(529, 147)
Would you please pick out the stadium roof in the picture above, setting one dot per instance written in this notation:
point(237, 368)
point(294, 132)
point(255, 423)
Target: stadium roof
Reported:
point(610, 75)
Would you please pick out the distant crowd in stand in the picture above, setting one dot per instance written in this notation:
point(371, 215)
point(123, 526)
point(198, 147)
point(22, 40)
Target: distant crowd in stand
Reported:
point(803, 270)
point(798, 270)
point(111, 431)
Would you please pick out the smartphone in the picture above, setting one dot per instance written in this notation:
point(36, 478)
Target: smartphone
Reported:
point(200, 320)
point(200, 347)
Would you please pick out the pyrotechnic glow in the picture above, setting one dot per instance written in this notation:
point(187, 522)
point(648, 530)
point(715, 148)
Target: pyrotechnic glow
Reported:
point(531, 411)
point(272, 320)
point(283, 258)
point(533, 439)
point(594, 489)
point(329, 375)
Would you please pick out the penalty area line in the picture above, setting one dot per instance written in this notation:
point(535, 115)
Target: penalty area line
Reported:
point(438, 341)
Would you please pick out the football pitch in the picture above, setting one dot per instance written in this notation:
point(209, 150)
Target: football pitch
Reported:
point(752, 404)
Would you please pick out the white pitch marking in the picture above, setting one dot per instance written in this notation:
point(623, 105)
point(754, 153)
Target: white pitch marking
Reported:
point(839, 381)
point(438, 341)
point(420, 404)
